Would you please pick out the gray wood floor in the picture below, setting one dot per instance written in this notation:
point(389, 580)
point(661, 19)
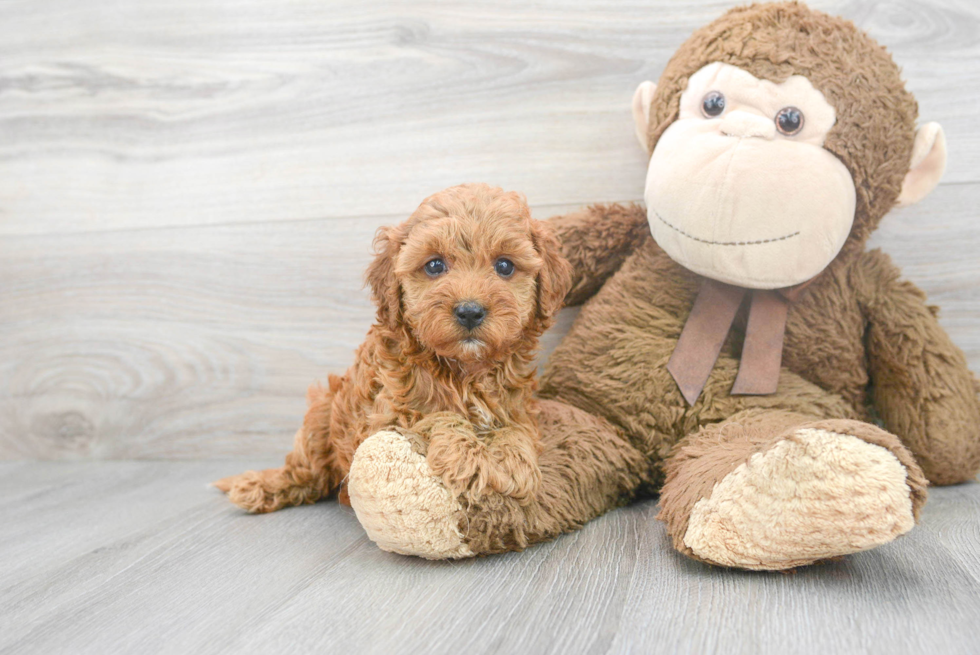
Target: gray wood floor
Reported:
point(138, 557)
point(188, 190)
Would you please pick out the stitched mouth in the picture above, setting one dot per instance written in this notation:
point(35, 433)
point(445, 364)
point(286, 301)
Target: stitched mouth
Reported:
point(720, 243)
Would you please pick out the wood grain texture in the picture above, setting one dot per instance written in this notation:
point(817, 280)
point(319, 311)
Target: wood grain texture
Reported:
point(123, 557)
point(188, 189)
point(190, 112)
point(164, 343)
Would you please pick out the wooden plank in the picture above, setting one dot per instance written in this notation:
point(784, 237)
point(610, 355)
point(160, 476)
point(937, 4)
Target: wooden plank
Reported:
point(189, 112)
point(950, 517)
point(200, 342)
point(153, 562)
point(176, 343)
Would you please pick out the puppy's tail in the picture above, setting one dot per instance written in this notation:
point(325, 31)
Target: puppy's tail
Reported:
point(318, 401)
point(316, 393)
point(315, 449)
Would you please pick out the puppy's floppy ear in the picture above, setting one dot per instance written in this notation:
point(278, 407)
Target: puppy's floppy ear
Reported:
point(385, 290)
point(555, 276)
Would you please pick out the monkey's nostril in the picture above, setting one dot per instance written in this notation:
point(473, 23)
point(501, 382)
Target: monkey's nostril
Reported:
point(469, 314)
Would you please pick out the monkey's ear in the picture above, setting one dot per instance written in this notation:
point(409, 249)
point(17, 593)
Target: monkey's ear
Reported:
point(928, 164)
point(641, 112)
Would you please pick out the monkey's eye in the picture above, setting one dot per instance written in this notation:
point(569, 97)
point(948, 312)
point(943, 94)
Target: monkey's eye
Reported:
point(504, 267)
point(713, 104)
point(435, 267)
point(789, 120)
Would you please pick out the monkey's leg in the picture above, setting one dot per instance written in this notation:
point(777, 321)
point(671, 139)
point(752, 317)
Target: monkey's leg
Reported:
point(587, 468)
point(772, 489)
point(310, 472)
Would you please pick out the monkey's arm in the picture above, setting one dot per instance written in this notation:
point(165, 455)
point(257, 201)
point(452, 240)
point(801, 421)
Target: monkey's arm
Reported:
point(920, 383)
point(596, 240)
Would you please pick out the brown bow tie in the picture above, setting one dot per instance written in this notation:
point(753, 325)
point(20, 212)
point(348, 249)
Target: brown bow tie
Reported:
point(707, 328)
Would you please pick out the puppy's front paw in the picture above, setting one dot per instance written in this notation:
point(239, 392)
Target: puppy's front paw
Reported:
point(522, 472)
point(469, 466)
point(463, 463)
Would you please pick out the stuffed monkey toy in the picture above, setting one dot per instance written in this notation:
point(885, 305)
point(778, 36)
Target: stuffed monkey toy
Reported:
point(739, 351)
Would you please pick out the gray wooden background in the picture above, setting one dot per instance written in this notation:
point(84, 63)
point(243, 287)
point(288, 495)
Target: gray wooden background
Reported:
point(188, 188)
point(188, 191)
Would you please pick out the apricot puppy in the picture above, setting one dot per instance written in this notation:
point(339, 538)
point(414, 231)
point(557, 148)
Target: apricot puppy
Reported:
point(464, 288)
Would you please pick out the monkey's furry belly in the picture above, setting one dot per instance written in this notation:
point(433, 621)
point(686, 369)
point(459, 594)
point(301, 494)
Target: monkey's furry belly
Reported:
point(613, 362)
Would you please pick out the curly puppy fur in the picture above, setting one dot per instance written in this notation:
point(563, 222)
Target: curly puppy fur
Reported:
point(465, 395)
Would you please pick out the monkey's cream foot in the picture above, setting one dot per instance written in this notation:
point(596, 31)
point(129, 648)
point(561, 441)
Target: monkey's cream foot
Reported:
point(402, 505)
point(816, 491)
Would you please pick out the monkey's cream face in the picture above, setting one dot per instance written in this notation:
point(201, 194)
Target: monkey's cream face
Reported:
point(740, 188)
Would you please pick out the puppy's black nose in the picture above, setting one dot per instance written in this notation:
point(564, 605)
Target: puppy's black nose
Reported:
point(469, 314)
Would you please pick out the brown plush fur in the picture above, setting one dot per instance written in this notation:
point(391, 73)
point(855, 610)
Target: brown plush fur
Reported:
point(856, 326)
point(860, 343)
point(469, 402)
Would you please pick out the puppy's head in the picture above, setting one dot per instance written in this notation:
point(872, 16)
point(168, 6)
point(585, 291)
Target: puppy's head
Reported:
point(470, 274)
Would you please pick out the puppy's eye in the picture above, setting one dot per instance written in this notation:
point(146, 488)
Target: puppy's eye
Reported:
point(713, 104)
point(435, 267)
point(504, 267)
point(789, 120)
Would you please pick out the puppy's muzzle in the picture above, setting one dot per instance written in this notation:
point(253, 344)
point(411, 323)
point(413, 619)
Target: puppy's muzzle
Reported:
point(469, 314)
